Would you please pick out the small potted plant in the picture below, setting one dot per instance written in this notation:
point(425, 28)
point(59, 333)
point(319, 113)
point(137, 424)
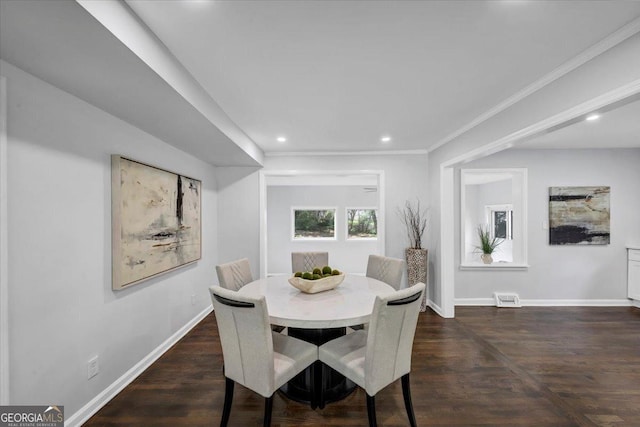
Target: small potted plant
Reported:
point(487, 244)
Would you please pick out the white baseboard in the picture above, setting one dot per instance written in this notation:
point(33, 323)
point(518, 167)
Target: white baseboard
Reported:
point(550, 302)
point(87, 411)
point(577, 302)
point(635, 303)
point(435, 307)
point(475, 301)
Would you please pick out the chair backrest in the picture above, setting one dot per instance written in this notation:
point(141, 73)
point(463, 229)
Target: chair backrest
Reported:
point(245, 336)
point(385, 269)
point(307, 261)
point(234, 275)
point(390, 337)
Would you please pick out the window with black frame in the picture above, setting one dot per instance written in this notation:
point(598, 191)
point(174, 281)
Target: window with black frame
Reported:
point(501, 222)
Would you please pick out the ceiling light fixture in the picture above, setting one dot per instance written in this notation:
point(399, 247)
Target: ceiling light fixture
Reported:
point(385, 139)
point(281, 139)
point(593, 117)
point(199, 3)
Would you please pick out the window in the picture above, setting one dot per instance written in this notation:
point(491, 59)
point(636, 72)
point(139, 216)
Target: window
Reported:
point(362, 223)
point(500, 220)
point(495, 199)
point(314, 223)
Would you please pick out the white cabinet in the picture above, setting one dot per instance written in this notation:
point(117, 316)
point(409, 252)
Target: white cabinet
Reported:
point(633, 280)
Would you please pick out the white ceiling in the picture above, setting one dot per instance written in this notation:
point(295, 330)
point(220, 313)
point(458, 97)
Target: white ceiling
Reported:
point(328, 75)
point(338, 75)
point(618, 128)
point(59, 42)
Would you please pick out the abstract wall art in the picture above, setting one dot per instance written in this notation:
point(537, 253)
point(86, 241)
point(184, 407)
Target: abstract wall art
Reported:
point(579, 215)
point(156, 221)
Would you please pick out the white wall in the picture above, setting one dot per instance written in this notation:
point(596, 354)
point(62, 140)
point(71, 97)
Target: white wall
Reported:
point(405, 178)
point(239, 215)
point(62, 308)
point(346, 255)
point(567, 272)
point(603, 75)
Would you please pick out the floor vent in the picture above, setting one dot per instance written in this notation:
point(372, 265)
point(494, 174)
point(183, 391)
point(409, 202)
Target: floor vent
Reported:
point(507, 300)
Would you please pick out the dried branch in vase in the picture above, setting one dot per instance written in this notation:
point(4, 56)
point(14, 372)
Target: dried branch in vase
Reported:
point(415, 221)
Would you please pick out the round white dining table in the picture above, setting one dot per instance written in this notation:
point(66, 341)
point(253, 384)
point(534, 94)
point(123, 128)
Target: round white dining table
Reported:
point(318, 318)
point(351, 303)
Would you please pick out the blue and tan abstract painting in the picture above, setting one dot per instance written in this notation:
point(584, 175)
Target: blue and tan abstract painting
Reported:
point(157, 223)
point(579, 216)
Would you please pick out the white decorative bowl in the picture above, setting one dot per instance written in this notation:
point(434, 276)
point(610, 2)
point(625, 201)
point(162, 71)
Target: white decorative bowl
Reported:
point(315, 286)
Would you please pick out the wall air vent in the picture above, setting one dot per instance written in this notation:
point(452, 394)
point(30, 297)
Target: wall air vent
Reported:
point(507, 300)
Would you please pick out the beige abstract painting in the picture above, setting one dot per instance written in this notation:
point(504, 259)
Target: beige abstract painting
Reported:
point(156, 221)
point(579, 215)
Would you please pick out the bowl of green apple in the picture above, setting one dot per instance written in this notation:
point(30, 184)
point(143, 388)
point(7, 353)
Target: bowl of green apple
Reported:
point(317, 280)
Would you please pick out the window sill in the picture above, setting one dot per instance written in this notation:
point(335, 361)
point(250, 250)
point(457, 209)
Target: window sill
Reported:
point(494, 266)
point(314, 239)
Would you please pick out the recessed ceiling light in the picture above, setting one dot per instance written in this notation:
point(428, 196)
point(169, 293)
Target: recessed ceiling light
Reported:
point(385, 139)
point(281, 139)
point(593, 117)
point(198, 3)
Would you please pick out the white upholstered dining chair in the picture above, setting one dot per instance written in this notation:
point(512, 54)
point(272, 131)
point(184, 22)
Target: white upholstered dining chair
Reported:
point(307, 261)
point(254, 356)
point(234, 275)
point(386, 269)
point(376, 357)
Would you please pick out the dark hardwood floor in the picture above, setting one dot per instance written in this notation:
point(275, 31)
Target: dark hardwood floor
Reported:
point(556, 366)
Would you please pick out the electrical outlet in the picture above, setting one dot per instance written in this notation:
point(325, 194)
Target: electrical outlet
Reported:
point(193, 300)
point(92, 367)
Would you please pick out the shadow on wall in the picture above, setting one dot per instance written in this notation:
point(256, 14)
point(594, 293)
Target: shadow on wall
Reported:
point(225, 176)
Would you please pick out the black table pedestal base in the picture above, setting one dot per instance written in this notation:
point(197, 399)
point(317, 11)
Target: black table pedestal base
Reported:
point(330, 384)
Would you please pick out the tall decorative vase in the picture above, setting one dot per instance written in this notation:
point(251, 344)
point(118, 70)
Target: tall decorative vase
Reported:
point(417, 270)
